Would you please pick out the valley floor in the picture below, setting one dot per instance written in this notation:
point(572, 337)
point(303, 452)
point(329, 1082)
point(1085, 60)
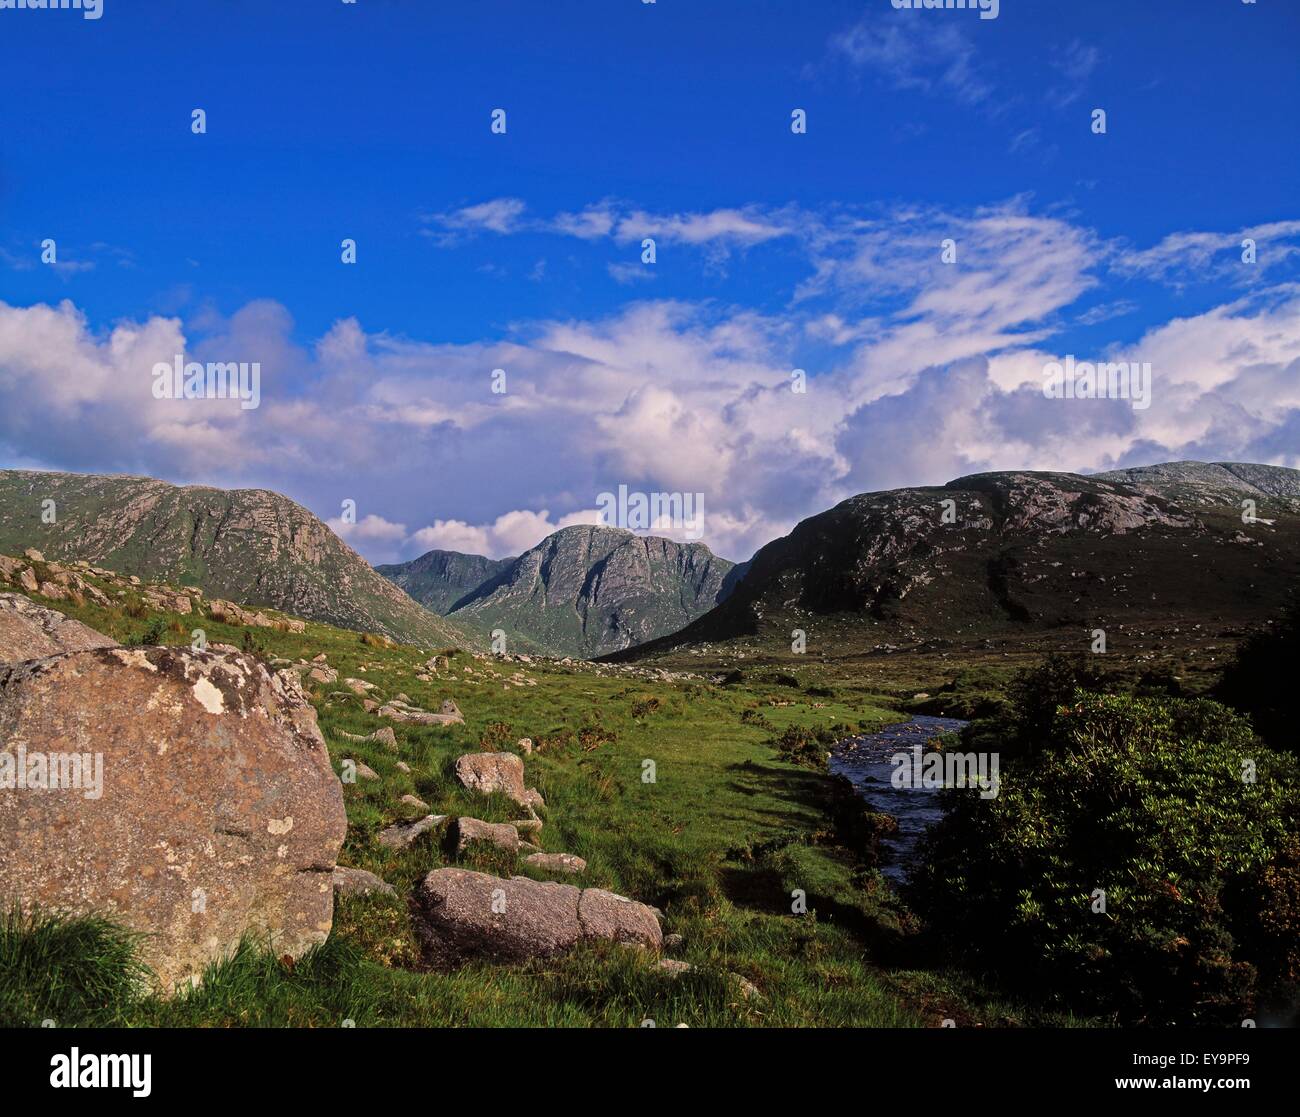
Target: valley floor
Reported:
point(720, 840)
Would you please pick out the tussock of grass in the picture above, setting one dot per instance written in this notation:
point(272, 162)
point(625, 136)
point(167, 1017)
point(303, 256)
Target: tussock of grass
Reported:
point(70, 971)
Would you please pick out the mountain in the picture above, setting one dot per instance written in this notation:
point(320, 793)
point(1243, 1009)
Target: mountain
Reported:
point(439, 579)
point(583, 591)
point(1021, 554)
point(251, 546)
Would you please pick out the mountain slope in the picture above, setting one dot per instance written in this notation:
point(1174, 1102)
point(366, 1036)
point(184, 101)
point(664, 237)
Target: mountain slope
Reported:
point(586, 591)
point(1024, 554)
point(439, 579)
point(249, 545)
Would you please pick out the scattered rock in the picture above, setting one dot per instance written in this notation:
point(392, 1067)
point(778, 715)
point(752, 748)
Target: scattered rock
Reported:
point(33, 555)
point(413, 716)
point(492, 773)
point(672, 942)
point(557, 862)
point(500, 834)
point(358, 882)
point(402, 766)
point(525, 745)
point(414, 801)
point(673, 967)
point(401, 834)
point(366, 772)
point(461, 914)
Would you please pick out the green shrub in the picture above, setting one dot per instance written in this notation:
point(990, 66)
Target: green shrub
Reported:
point(806, 746)
point(1144, 799)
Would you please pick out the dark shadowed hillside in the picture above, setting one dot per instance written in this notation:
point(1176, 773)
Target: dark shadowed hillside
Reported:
point(439, 579)
point(1008, 555)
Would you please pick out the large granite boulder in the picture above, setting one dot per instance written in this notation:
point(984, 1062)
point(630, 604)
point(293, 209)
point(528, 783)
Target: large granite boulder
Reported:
point(201, 806)
point(461, 915)
point(30, 631)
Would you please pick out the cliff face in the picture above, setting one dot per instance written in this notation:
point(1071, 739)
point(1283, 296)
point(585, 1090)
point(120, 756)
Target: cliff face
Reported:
point(586, 591)
point(247, 545)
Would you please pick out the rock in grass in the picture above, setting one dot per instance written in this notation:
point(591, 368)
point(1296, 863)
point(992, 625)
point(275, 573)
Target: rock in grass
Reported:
point(410, 716)
point(401, 834)
point(502, 835)
point(461, 915)
point(358, 882)
point(30, 631)
point(557, 862)
point(414, 801)
point(493, 773)
point(204, 808)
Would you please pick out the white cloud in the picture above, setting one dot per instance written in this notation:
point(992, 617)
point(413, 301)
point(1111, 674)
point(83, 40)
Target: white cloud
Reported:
point(511, 533)
point(921, 371)
point(500, 215)
point(932, 56)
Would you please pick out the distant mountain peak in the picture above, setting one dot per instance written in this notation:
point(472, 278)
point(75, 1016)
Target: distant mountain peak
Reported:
point(584, 590)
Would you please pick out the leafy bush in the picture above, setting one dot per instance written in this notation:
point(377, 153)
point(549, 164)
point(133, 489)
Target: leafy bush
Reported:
point(1144, 799)
point(153, 634)
point(808, 747)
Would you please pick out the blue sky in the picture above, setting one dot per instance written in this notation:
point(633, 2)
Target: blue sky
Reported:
point(522, 251)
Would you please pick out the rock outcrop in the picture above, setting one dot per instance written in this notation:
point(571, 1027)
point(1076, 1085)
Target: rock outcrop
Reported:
point(30, 631)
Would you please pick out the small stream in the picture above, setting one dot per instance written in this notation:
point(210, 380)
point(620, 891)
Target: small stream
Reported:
point(865, 762)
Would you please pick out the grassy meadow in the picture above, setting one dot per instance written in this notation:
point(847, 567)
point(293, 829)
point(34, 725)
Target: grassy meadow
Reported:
point(718, 841)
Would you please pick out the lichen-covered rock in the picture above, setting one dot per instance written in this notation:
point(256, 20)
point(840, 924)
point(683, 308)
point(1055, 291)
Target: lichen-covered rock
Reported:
point(30, 631)
point(206, 807)
point(358, 882)
point(493, 773)
point(402, 834)
point(502, 835)
point(556, 862)
point(461, 915)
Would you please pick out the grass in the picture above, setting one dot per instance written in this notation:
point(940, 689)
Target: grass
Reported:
point(720, 840)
